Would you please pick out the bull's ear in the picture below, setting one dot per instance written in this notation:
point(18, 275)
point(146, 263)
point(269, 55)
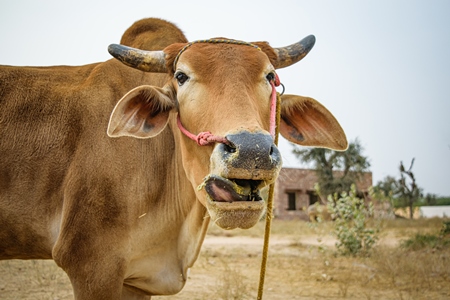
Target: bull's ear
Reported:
point(306, 122)
point(142, 113)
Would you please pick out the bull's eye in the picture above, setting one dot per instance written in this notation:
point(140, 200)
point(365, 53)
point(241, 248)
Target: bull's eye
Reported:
point(270, 77)
point(181, 78)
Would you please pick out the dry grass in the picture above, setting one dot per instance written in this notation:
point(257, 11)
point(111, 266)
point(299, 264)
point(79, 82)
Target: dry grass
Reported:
point(302, 265)
point(35, 279)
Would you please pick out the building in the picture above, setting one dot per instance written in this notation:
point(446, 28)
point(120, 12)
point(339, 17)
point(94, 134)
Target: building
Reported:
point(294, 192)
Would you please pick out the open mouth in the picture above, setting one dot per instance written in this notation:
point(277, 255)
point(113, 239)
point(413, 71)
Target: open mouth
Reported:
point(234, 203)
point(222, 189)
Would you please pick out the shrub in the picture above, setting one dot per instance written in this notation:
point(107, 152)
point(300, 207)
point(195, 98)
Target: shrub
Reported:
point(445, 230)
point(350, 226)
point(422, 241)
point(232, 285)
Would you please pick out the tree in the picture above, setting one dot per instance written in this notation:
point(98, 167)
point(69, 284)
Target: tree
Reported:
point(404, 191)
point(385, 191)
point(351, 163)
point(408, 192)
point(388, 186)
point(431, 199)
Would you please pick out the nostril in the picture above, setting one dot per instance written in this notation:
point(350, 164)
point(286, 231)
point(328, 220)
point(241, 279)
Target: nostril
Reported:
point(271, 150)
point(230, 148)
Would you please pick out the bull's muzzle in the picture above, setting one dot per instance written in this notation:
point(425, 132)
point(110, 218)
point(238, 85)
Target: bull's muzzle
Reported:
point(251, 156)
point(240, 174)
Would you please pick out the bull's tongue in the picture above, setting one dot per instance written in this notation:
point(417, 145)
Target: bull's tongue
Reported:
point(224, 190)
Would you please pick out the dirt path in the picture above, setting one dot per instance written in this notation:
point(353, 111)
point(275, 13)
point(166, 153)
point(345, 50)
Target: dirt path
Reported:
point(274, 241)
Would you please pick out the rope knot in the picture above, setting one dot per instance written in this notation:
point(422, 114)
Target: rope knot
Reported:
point(206, 138)
point(203, 138)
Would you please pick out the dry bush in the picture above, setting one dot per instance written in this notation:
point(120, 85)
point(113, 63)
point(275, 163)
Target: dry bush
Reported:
point(232, 285)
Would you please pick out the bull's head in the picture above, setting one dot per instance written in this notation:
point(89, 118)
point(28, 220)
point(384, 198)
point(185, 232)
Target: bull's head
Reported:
point(224, 88)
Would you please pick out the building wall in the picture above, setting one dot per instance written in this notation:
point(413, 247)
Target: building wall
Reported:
point(296, 186)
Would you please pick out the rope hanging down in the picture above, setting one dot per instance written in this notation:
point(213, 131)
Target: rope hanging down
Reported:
point(269, 211)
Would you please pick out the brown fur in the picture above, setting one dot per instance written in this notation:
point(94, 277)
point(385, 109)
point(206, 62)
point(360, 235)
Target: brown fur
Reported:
point(123, 216)
point(59, 169)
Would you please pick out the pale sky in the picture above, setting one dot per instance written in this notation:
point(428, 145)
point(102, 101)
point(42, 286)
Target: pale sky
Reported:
point(381, 67)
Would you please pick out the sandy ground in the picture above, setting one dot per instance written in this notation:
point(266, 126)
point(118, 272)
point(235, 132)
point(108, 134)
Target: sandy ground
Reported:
point(300, 266)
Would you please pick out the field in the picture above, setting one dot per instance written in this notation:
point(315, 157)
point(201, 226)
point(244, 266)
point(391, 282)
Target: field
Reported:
point(302, 264)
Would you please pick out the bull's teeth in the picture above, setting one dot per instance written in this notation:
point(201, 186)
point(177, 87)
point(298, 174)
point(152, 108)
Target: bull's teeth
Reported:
point(242, 190)
point(255, 197)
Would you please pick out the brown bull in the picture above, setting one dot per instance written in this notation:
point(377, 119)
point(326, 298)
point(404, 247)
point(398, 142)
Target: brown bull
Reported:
point(319, 213)
point(114, 192)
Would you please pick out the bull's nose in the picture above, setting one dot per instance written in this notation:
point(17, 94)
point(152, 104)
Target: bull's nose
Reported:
point(251, 151)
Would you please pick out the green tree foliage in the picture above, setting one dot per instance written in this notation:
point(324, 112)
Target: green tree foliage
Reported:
point(430, 199)
point(388, 189)
point(352, 163)
point(443, 201)
point(388, 186)
point(384, 192)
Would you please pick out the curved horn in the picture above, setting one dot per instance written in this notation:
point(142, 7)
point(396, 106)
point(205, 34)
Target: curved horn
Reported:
point(294, 53)
point(148, 61)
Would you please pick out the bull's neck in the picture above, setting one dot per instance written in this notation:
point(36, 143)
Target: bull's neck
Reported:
point(194, 227)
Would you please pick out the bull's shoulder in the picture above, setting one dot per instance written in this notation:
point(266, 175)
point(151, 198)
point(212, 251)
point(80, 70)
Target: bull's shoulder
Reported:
point(43, 85)
point(152, 34)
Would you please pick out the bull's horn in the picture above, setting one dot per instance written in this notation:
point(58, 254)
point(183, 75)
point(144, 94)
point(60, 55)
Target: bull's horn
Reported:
point(148, 61)
point(294, 53)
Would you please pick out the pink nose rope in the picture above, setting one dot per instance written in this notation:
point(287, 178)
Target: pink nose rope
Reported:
point(273, 106)
point(206, 138)
point(203, 138)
